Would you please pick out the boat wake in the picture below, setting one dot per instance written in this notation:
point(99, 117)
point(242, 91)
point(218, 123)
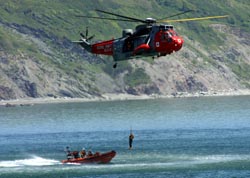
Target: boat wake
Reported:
point(180, 160)
point(123, 164)
point(34, 161)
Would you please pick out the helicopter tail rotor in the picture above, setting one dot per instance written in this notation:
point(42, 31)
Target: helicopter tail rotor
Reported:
point(82, 35)
point(85, 37)
point(84, 41)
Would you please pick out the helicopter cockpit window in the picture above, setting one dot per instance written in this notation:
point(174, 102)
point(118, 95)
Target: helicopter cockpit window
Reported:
point(169, 34)
point(166, 27)
point(173, 33)
point(166, 37)
point(163, 29)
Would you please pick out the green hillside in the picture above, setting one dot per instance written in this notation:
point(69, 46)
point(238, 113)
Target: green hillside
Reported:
point(59, 16)
point(43, 31)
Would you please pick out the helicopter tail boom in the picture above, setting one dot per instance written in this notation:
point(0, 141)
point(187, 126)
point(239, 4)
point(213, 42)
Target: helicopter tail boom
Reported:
point(104, 47)
point(86, 45)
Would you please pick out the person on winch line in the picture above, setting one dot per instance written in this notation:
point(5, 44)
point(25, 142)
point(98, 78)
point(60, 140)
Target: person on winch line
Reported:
point(131, 137)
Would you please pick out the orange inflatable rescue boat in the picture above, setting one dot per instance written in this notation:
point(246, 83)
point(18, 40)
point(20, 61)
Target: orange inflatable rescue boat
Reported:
point(98, 158)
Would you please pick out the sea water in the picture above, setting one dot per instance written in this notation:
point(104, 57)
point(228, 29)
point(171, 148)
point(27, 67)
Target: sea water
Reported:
point(181, 137)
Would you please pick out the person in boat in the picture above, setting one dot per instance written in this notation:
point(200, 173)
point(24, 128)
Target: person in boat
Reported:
point(68, 152)
point(131, 137)
point(82, 153)
point(90, 153)
point(75, 154)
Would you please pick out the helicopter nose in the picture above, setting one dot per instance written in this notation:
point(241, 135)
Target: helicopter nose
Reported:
point(178, 41)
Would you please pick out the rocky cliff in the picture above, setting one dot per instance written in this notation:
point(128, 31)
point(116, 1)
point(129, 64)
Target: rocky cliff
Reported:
point(40, 62)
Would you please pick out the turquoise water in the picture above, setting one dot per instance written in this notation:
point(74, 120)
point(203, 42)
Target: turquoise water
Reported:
point(184, 137)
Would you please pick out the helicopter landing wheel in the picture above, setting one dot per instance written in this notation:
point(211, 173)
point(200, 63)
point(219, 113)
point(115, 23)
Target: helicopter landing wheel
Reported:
point(115, 65)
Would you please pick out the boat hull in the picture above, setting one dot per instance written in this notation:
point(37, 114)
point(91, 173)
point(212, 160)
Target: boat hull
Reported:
point(97, 159)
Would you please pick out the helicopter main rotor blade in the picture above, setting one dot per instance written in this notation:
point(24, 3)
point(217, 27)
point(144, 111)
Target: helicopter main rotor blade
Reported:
point(105, 18)
point(194, 19)
point(130, 18)
point(174, 15)
point(87, 32)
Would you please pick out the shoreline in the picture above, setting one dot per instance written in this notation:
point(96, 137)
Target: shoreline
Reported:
point(118, 97)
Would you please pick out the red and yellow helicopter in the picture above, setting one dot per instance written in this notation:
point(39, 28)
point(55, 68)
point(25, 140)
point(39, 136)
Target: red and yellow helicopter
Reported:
point(148, 39)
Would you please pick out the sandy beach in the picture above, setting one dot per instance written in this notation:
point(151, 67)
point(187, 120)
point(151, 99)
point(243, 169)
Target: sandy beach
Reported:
point(118, 97)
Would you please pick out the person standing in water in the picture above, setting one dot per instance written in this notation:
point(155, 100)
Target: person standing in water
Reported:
point(131, 137)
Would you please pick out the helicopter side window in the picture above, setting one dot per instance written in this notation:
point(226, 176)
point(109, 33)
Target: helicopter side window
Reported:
point(128, 45)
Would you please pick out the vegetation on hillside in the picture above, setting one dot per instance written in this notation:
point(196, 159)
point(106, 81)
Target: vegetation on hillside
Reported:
point(59, 16)
point(137, 77)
